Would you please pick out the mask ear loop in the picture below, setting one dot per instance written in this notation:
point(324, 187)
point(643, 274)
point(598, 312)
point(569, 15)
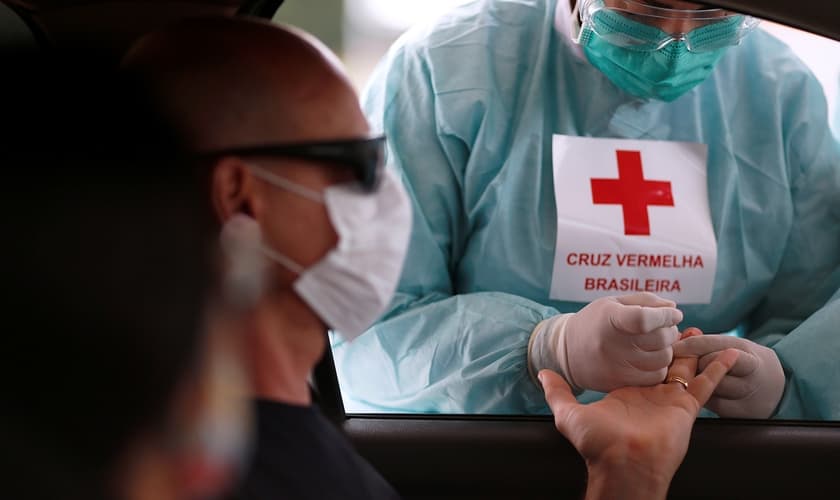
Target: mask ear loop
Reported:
point(241, 241)
point(299, 190)
point(286, 184)
point(283, 260)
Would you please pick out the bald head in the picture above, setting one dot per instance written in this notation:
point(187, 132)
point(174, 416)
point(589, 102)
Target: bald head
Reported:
point(236, 82)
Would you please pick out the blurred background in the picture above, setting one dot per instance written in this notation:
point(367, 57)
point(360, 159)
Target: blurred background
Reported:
point(364, 30)
point(361, 31)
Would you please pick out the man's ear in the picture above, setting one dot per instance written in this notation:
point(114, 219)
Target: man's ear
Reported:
point(231, 188)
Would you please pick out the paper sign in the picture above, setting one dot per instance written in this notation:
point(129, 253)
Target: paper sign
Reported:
point(632, 216)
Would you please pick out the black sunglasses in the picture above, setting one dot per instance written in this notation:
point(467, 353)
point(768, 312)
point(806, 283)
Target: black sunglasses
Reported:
point(366, 156)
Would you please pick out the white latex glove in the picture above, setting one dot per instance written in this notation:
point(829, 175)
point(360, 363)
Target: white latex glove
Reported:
point(752, 388)
point(611, 343)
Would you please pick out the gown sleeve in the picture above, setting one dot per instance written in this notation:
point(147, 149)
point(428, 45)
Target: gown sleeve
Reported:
point(435, 350)
point(800, 314)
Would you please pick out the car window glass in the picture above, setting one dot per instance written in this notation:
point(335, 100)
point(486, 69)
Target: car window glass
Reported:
point(459, 344)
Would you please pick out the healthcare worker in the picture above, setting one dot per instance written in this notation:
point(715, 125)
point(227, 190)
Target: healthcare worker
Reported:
point(471, 106)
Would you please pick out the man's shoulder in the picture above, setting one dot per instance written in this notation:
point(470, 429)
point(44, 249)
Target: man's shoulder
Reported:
point(301, 454)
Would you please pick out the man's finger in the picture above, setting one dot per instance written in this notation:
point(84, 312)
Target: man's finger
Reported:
point(702, 345)
point(691, 331)
point(704, 384)
point(684, 368)
point(558, 395)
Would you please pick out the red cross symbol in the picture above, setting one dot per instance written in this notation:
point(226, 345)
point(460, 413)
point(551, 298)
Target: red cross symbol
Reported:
point(632, 192)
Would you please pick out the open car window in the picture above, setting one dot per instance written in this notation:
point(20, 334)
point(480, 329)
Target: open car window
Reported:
point(460, 348)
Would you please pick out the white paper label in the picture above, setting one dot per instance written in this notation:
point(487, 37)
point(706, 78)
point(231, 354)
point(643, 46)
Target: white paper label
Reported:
point(632, 216)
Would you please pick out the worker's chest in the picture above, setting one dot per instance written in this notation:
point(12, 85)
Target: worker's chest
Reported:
point(510, 198)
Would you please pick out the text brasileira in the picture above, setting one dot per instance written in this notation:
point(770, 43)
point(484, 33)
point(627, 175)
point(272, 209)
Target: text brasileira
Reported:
point(633, 260)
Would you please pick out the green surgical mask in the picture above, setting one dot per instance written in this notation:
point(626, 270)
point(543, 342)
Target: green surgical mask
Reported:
point(665, 73)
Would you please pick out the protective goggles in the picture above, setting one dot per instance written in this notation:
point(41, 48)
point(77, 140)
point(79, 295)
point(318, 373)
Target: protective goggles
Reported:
point(650, 26)
point(365, 156)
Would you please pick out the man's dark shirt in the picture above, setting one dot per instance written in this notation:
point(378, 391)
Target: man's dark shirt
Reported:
point(301, 455)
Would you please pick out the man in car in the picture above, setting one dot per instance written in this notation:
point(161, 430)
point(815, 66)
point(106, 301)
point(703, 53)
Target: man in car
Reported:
point(295, 181)
point(509, 122)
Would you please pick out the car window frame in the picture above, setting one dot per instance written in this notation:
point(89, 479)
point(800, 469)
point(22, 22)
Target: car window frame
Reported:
point(493, 456)
point(806, 15)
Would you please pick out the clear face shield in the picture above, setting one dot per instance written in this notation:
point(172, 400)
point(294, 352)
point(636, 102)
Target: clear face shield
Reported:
point(645, 27)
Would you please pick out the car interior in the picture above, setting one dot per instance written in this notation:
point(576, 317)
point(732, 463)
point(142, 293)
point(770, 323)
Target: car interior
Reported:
point(486, 456)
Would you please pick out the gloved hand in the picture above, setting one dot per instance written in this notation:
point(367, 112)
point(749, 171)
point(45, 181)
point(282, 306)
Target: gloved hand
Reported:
point(752, 388)
point(611, 343)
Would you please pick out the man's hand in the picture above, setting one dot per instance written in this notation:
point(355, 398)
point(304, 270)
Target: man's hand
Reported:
point(611, 343)
point(636, 435)
point(756, 383)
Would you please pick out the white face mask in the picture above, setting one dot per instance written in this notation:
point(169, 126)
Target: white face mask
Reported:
point(353, 284)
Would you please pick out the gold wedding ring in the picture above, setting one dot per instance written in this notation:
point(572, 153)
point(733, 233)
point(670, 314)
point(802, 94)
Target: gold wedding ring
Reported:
point(679, 380)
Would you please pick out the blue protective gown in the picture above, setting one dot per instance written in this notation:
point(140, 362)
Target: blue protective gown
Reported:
point(836, 122)
point(470, 105)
